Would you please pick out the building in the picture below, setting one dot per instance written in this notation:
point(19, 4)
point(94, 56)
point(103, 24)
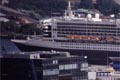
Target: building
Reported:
point(115, 63)
point(43, 66)
point(107, 76)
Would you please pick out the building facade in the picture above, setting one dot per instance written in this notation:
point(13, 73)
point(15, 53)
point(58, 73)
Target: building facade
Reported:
point(43, 66)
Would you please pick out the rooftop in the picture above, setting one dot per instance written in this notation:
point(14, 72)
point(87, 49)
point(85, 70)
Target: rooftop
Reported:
point(115, 58)
point(37, 55)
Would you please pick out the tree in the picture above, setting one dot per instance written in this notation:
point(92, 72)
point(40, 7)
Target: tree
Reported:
point(9, 26)
point(108, 7)
point(45, 8)
point(87, 4)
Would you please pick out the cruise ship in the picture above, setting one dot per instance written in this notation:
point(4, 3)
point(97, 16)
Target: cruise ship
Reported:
point(90, 35)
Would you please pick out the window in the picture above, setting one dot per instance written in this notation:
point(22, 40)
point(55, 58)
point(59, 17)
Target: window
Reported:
point(34, 56)
point(84, 66)
point(68, 66)
point(61, 67)
point(55, 61)
point(74, 66)
point(50, 72)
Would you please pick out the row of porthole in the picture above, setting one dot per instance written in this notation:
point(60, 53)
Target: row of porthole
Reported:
point(86, 45)
point(82, 27)
point(89, 47)
point(88, 33)
point(90, 25)
point(88, 30)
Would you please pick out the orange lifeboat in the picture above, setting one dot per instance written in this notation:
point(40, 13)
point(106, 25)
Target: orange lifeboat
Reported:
point(92, 38)
point(98, 38)
point(89, 37)
point(80, 37)
point(76, 36)
point(109, 38)
point(70, 36)
point(85, 37)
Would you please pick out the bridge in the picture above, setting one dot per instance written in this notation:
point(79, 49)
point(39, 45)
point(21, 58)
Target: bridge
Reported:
point(12, 12)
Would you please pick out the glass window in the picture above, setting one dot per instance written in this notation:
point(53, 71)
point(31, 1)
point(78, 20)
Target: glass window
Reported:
point(55, 61)
point(50, 72)
point(61, 67)
point(74, 66)
point(68, 66)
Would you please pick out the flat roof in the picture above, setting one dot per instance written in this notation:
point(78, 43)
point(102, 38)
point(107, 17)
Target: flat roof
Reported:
point(36, 55)
point(115, 58)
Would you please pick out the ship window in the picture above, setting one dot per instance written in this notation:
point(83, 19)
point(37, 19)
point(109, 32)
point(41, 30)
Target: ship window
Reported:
point(50, 40)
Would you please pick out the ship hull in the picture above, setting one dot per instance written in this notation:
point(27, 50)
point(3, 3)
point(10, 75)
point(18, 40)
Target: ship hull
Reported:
point(94, 56)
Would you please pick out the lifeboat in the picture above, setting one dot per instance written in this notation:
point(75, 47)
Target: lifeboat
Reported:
point(80, 37)
point(95, 38)
point(92, 38)
point(75, 36)
point(70, 36)
point(109, 38)
point(98, 38)
point(89, 38)
point(85, 37)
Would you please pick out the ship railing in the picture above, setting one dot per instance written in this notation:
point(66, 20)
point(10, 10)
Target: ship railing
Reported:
point(109, 21)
